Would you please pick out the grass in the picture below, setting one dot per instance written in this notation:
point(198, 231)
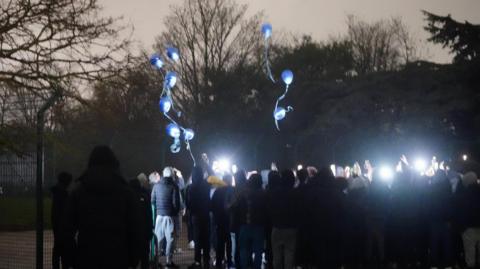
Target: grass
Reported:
point(19, 213)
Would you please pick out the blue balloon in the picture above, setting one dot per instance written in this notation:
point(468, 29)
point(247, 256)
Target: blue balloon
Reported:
point(156, 61)
point(173, 54)
point(189, 134)
point(171, 79)
point(266, 30)
point(173, 130)
point(165, 104)
point(279, 113)
point(287, 76)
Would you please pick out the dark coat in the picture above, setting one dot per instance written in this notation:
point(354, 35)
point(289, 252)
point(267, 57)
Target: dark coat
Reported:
point(219, 206)
point(103, 213)
point(166, 197)
point(198, 198)
point(59, 200)
point(283, 208)
point(468, 206)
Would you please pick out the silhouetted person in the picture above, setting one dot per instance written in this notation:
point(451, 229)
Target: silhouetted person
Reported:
point(469, 219)
point(325, 206)
point(377, 201)
point(166, 200)
point(240, 178)
point(274, 182)
point(198, 203)
point(103, 215)
point(59, 199)
point(222, 223)
point(301, 256)
point(252, 210)
point(283, 213)
point(143, 196)
point(439, 215)
point(355, 226)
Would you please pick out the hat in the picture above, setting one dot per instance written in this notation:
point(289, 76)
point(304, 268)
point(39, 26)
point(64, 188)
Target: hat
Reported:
point(469, 178)
point(167, 172)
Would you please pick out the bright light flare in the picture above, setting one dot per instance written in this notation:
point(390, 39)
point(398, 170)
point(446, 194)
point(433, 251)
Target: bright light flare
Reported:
point(386, 173)
point(464, 157)
point(221, 165)
point(299, 167)
point(420, 165)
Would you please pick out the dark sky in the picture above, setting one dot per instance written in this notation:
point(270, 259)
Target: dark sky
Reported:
point(319, 18)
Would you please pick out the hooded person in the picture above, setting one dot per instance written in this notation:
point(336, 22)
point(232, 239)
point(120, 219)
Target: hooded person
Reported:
point(59, 199)
point(251, 205)
point(102, 226)
point(140, 187)
point(166, 200)
point(198, 204)
point(282, 207)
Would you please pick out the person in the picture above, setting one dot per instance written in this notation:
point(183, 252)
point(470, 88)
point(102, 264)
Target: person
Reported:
point(439, 209)
point(354, 223)
point(59, 199)
point(301, 257)
point(198, 204)
point(143, 196)
point(469, 220)
point(222, 223)
point(166, 199)
point(252, 207)
point(376, 212)
point(325, 207)
point(180, 182)
point(282, 209)
point(102, 227)
point(240, 178)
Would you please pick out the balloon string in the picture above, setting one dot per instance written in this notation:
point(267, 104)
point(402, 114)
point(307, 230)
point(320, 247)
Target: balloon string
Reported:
point(267, 62)
point(280, 98)
point(190, 151)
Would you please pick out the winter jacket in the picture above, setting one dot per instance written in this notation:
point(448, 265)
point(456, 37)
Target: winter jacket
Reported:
point(59, 199)
point(282, 206)
point(469, 206)
point(198, 199)
point(166, 197)
point(103, 214)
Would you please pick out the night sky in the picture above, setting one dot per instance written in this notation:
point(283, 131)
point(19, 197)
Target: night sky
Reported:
point(319, 18)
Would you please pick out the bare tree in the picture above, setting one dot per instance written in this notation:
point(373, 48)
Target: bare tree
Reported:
point(52, 41)
point(380, 46)
point(213, 36)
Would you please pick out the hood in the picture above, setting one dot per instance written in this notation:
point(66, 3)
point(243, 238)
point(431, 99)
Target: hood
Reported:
point(101, 179)
point(167, 181)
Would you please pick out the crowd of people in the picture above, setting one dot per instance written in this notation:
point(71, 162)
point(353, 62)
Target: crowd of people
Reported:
point(307, 218)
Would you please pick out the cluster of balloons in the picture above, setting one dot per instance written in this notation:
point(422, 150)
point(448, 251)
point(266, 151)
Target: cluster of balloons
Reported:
point(165, 104)
point(279, 112)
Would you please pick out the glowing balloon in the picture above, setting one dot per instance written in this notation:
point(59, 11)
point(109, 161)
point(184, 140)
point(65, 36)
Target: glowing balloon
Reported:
point(173, 54)
point(287, 76)
point(156, 61)
point(173, 130)
point(267, 30)
point(279, 113)
point(171, 79)
point(165, 104)
point(189, 134)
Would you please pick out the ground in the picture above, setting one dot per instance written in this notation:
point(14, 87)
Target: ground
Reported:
point(17, 250)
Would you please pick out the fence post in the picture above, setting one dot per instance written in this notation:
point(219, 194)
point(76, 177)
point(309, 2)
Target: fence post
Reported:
point(39, 180)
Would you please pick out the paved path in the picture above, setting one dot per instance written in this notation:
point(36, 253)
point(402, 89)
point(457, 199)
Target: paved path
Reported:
point(17, 250)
